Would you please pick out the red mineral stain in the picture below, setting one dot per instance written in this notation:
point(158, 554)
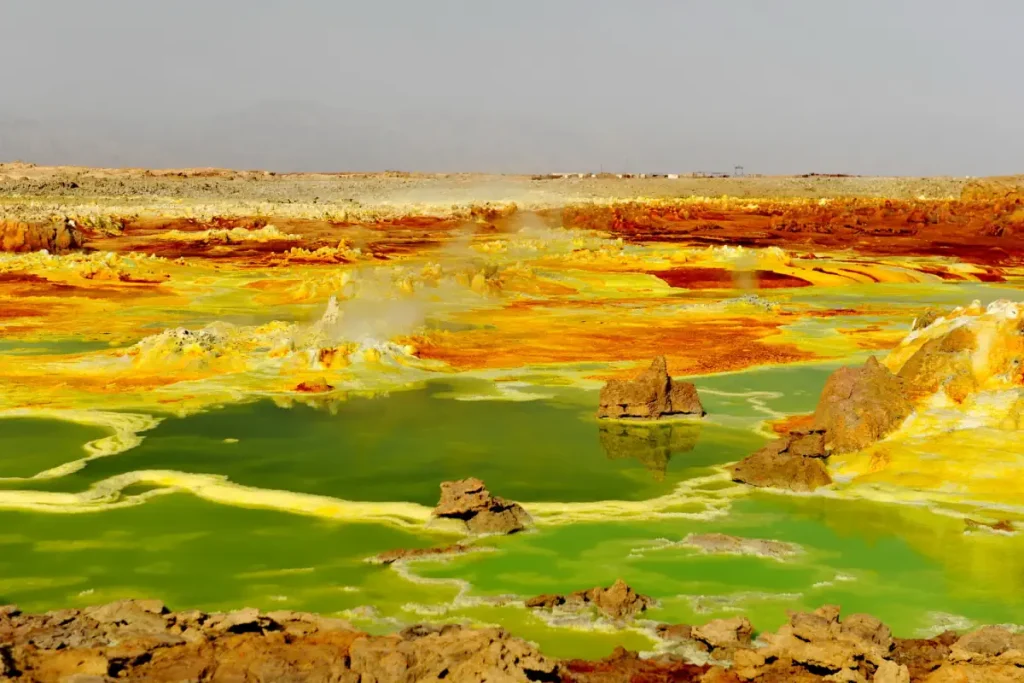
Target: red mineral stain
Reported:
point(721, 278)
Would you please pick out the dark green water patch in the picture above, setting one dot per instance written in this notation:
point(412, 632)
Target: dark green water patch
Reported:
point(30, 445)
point(906, 565)
point(797, 387)
point(15, 347)
point(400, 448)
point(195, 554)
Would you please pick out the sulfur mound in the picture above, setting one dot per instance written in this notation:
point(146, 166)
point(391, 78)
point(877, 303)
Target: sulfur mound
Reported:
point(651, 395)
point(966, 352)
point(470, 501)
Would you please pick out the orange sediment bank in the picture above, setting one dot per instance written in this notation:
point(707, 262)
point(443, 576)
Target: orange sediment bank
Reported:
point(979, 231)
point(30, 286)
point(263, 238)
point(509, 287)
point(791, 423)
point(516, 338)
point(983, 226)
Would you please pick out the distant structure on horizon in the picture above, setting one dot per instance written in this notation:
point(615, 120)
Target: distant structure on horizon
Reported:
point(737, 172)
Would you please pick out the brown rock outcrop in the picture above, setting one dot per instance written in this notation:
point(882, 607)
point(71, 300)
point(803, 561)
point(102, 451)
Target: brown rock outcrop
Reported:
point(674, 631)
point(921, 656)
point(975, 673)
point(815, 647)
point(470, 501)
point(794, 462)
point(449, 652)
point(970, 349)
point(723, 637)
point(986, 644)
point(143, 641)
point(58, 237)
point(850, 650)
point(651, 395)
point(618, 601)
point(623, 665)
point(859, 406)
point(101, 644)
point(392, 556)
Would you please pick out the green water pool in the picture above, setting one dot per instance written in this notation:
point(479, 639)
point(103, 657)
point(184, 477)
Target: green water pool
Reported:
point(915, 569)
point(401, 447)
point(31, 445)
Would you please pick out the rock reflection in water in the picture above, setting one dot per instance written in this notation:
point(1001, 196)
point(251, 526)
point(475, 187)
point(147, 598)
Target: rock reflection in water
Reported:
point(650, 443)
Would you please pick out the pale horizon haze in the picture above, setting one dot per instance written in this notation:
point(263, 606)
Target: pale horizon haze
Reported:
point(786, 86)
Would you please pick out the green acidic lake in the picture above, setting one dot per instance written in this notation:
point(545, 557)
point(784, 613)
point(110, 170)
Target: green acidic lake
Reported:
point(913, 568)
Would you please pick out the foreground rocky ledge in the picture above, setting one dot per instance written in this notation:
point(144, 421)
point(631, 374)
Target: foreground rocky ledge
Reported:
point(141, 640)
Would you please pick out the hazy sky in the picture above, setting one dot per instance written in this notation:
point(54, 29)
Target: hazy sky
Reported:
point(780, 86)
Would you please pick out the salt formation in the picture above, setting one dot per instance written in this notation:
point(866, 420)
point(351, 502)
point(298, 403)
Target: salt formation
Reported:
point(972, 350)
point(937, 407)
point(963, 377)
point(224, 347)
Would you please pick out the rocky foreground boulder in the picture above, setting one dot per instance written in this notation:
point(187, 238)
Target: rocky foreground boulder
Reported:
point(470, 501)
point(619, 601)
point(819, 646)
point(142, 641)
point(652, 395)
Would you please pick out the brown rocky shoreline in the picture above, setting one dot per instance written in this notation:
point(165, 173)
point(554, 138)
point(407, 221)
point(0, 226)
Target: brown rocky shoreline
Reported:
point(141, 640)
point(858, 406)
